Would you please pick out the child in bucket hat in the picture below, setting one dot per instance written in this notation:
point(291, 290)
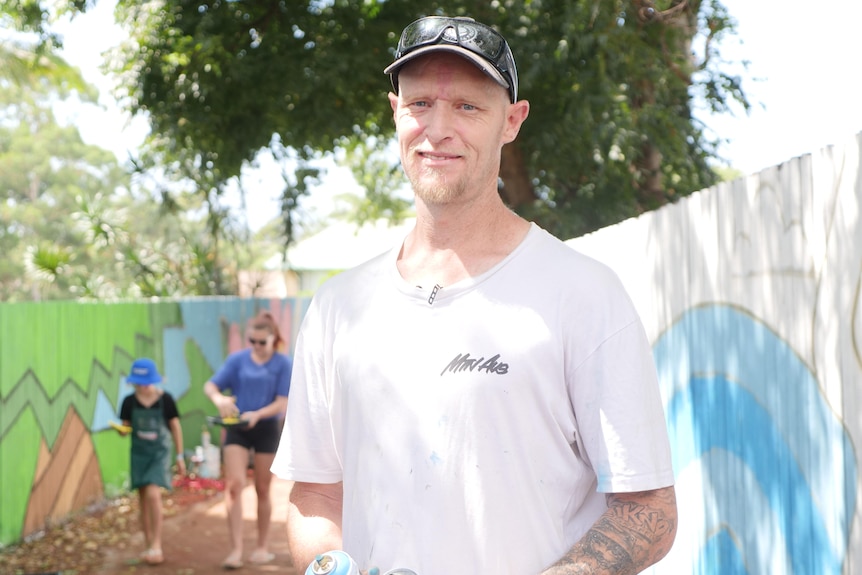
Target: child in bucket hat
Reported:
point(152, 415)
point(144, 372)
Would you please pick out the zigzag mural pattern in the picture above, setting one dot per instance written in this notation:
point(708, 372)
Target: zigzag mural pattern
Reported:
point(52, 458)
point(29, 392)
point(57, 453)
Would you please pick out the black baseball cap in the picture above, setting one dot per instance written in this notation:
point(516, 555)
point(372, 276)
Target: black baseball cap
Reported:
point(477, 42)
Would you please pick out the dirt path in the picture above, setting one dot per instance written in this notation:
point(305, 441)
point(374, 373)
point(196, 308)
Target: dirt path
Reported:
point(196, 540)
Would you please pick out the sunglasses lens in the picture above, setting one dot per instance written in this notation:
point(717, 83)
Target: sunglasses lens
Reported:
point(479, 39)
point(420, 32)
point(466, 33)
point(470, 35)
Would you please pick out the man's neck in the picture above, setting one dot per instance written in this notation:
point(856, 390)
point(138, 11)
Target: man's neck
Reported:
point(447, 246)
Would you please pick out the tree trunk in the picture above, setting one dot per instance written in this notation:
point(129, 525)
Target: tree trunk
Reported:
point(652, 191)
point(517, 190)
point(682, 15)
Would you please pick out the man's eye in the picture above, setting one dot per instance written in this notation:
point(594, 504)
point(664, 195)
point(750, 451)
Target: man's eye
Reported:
point(469, 107)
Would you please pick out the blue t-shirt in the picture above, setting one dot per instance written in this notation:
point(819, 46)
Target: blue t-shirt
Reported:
point(254, 385)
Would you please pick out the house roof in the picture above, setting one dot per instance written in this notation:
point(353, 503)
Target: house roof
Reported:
point(342, 245)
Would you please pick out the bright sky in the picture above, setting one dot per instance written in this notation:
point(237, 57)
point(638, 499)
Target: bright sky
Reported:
point(803, 82)
point(807, 90)
point(85, 38)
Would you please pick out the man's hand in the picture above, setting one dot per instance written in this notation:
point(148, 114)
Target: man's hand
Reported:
point(313, 520)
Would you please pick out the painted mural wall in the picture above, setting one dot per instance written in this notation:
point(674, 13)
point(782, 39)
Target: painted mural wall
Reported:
point(750, 293)
point(62, 370)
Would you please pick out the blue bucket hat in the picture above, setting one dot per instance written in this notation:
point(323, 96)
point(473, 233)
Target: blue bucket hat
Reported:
point(144, 372)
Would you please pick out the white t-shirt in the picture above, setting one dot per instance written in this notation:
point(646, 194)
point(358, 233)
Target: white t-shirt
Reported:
point(474, 430)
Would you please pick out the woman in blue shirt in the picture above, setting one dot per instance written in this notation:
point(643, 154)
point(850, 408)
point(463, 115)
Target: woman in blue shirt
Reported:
point(258, 379)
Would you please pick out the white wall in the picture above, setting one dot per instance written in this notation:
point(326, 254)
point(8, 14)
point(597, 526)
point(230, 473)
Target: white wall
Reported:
point(750, 294)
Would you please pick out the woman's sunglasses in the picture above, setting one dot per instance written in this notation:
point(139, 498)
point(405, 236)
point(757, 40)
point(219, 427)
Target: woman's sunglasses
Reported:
point(253, 341)
point(466, 33)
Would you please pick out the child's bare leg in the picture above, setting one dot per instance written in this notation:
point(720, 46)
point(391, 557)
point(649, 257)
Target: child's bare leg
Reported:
point(151, 505)
point(146, 525)
point(154, 500)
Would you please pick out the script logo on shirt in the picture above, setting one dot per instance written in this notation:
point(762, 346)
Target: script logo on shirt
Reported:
point(463, 362)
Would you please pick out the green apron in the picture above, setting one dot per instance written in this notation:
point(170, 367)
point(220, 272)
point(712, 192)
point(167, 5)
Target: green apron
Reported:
point(151, 447)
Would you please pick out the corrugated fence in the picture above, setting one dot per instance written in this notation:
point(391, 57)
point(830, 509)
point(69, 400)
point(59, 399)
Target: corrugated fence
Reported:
point(750, 293)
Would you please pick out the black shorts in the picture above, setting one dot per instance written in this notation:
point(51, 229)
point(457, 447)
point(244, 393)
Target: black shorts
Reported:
point(263, 437)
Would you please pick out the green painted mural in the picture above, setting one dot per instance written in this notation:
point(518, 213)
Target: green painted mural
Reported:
point(62, 380)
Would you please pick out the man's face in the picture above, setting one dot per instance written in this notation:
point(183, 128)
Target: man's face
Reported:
point(452, 121)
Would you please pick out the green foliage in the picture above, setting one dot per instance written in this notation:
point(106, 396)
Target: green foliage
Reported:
point(727, 174)
point(611, 85)
point(382, 180)
point(72, 223)
point(37, 61)
point(610, 134)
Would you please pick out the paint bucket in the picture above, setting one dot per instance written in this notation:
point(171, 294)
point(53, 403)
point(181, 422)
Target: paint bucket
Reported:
point(211, 468)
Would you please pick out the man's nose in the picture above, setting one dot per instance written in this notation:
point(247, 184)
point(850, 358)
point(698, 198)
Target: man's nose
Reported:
point(439, 123)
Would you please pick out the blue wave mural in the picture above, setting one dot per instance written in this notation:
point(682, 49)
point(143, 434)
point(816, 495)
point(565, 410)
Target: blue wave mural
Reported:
point(756, 442)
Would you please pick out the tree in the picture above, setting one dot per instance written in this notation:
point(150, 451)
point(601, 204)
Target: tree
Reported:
point(611, 84)
point(72, 222)
point(611, 133)
point(71, 225)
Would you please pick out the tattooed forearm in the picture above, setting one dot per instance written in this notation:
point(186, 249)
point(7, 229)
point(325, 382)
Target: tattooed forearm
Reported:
point(636, 531)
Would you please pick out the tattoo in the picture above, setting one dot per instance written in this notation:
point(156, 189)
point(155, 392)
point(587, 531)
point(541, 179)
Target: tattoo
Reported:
point(636, 531)
point(606, 552)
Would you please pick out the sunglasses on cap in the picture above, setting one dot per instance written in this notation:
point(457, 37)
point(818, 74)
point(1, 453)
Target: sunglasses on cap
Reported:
point(466, 33)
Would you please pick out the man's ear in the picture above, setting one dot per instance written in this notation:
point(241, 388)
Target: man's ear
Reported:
point(393, 101)
point(515, 116)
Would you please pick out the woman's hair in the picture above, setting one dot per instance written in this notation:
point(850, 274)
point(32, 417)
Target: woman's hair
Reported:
point(265, 320)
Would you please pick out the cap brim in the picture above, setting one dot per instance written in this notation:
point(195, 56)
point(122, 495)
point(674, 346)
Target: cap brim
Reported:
point(474, 58)
point(142, 381)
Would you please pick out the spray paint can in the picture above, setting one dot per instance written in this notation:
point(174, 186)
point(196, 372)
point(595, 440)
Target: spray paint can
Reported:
point(333, 563)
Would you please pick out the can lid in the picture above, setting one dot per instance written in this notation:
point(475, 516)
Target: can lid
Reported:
point(323, 564)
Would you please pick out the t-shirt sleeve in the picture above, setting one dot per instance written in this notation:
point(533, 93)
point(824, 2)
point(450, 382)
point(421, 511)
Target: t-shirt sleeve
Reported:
point(171, 410)
point(126, 408)
point(620, 414)
point(226, 376)
point(307, 450)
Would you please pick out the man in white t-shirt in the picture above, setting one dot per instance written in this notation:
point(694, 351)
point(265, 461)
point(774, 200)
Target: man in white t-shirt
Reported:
point(481, 398)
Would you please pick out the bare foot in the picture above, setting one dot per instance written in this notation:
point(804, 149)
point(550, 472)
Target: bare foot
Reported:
point(261, 556)
point(154, 557)
point(232, 561)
